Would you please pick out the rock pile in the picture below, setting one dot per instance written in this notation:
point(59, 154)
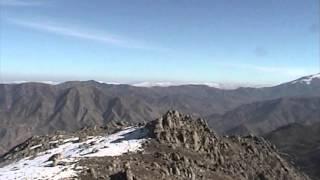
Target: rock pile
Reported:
point(180, 147)
point(184, 148)
point(182, 131)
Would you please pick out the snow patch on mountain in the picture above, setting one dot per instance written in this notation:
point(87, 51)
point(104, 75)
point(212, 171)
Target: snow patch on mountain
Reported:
point(307, 79)
point(40, 166)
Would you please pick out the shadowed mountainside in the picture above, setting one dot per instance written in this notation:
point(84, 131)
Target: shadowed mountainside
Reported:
point(302, 144)
point(265, 116)
point(37, 109)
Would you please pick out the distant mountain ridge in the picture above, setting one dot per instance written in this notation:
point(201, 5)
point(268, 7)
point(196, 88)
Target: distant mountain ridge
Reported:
point(157, 84)
point(262, 117)
point(36, 108)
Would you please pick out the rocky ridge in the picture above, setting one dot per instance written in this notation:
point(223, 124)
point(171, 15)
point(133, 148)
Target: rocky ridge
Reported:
point(175, 146)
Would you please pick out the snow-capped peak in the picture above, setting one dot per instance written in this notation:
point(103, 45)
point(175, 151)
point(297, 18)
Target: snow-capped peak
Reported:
point(307, 79)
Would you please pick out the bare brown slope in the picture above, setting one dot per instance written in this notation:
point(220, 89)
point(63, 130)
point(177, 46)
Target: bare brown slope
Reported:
point(38, 109)
point(35, 108)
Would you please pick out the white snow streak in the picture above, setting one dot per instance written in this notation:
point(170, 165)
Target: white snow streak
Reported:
point(36, 146)
point(128, 140)
point(307, 79)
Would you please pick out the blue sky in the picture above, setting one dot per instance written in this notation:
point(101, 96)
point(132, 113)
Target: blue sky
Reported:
point(233, 41)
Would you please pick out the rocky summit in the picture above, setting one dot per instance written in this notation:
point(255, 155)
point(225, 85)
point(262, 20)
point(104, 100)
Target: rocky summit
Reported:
point(175, 146)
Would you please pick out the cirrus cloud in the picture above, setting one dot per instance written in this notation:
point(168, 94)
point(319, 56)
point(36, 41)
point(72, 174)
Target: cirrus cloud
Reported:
point(82, 33)
point(20, 3)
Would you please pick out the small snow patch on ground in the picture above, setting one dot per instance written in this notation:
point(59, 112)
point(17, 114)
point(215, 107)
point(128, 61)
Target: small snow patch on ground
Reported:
point(71, 139)
point(54, 142)
point(39, 167)
point(36, 146)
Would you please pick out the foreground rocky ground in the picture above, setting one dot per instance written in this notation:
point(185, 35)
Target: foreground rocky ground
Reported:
point(174, 146)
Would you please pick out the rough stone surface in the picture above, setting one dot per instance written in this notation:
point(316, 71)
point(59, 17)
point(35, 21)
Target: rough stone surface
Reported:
point(180, 147)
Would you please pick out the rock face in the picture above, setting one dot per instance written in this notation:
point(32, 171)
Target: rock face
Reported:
point(196, 151)
point(179, 147)
point(183, 148)
point(182, 131)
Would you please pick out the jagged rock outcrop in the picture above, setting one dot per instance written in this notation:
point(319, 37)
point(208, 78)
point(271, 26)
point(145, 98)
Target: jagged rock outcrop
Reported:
point(196, 147)
point(184, 148)
point(178, 147)
point(179, 130)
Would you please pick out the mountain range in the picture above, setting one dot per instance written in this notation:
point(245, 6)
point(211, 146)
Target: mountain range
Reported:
point(29, 109)
point(35, 108)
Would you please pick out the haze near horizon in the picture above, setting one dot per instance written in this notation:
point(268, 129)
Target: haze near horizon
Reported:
point(178, 41)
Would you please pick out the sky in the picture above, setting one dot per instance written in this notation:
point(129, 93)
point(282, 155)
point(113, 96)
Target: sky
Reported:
point(225, 41)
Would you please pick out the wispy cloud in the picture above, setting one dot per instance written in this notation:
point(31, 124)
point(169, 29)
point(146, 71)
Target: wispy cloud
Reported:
point(20, 3)
point(83, 33)
point(287, 71)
